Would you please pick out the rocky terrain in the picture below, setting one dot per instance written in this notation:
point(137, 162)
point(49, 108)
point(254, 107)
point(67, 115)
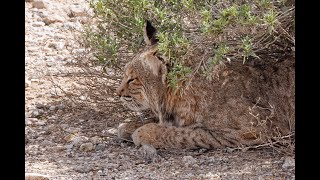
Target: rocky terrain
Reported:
point(66, 140)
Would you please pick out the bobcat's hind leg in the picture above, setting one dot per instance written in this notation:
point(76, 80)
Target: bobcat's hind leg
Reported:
point(192, 137)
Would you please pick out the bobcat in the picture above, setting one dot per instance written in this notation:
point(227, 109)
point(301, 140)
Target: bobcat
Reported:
point(240, 108)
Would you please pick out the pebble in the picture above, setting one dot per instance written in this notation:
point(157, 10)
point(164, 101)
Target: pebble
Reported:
point(56, 45)
point(82, 169)
point(86, 147)
point(47, 49)
point(46, 143)
point(69, 138)
point(38, 24)
point(40, 138)
point(100, 147)
point(76, 11)
point(35, 113)
point(52, 108)
point(60, 36)
point(96, 140)
point(53, 19)
point(69, 147)
point(40, 106)
point(77, 141)
point(59, 58)
point(27, 83)
point(188, 160)
point(72, 130)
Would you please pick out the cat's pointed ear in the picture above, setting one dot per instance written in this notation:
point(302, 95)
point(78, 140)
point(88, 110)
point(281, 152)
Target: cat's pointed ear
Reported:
point(149, 34)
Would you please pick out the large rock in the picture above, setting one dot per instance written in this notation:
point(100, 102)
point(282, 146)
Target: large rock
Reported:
point(39, 4)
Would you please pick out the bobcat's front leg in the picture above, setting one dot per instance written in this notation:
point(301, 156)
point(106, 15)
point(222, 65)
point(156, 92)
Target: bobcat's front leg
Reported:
point(125, 130)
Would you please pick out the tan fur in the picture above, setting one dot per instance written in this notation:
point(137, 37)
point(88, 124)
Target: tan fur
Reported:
point(242, 107)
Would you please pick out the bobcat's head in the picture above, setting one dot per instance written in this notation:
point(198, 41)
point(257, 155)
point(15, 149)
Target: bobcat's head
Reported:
point(144, 81)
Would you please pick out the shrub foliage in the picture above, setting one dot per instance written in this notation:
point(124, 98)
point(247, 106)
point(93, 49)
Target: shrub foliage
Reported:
point(194, 35)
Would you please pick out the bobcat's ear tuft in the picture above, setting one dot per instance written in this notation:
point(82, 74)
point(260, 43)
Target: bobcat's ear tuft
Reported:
point(149, 34)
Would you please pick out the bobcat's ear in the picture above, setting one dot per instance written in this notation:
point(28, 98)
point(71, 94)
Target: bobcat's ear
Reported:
point(149, 34)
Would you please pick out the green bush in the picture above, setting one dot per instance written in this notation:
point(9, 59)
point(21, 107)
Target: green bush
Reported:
point(192, 33)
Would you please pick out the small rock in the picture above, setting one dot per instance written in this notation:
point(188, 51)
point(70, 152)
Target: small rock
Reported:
point(69, 147)
point(69, 138)
point(79, 140)
point(47, 49)
point(76, 11)
point(40, 123)
point(29, 121)
point(52, 108)
point(289, 162)
point(61, 106)
point(100, 147)
point(35, 113)
point(39, 4)
point(112, 131)
point(72, 130)
point(83, 20)
point(188, 160)
point(33, 49)
point(72, 25)
point(49, 64)
point(27, 83)
point(96, 140)
point(59, 36)
point(82, 169)
point(79, 51)
point(86, 147)
point(38, 24)
point(57, 148)
point(59, 58)
point(63, 126)
point(53, 19)
point(40, 106)
point(40, 138)
point(82, 98)
point(56, 45)
point(34, 80)
point(46, 143)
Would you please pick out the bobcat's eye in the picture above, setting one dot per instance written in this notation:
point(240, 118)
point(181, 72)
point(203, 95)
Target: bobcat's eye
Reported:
point(130, 80)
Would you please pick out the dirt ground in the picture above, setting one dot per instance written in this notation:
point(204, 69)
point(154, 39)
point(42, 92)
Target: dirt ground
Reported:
point(69, 137)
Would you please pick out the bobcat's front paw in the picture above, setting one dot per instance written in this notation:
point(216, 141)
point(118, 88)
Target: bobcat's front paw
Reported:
point(146, 137)
point(147, 134)
point(149, 153)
